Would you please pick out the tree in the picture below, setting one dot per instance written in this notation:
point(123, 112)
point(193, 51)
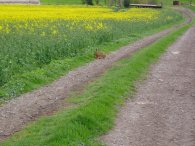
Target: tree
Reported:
point(83, 1)
point(89, 2)
point(190, 2)
point(126, 3)
point(119, 3)
point(111, 2)
point(97, 2)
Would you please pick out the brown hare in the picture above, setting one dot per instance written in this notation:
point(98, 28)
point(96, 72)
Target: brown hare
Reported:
point(99, 54)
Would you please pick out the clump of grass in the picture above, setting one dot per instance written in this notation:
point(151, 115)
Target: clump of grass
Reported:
point(97, 105)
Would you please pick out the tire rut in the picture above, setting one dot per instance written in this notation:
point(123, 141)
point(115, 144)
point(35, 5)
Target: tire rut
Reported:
point(162, 112)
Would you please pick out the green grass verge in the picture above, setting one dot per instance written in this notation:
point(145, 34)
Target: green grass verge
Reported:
point(96, 106)
point(192, 8)
point(29, 81)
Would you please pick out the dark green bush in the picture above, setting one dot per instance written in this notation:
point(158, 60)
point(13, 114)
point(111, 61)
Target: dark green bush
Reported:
point(89, 2)
point(126, 3)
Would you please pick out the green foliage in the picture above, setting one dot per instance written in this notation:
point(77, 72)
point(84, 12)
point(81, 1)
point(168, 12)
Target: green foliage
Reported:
point(89, 2)
point(66, 2)
point(74, 2)
point(145, 1)
point(105, 2)
point(170, 2)
point(192, 8)
point(187, 1)
point(126, 3)
point(97, 106)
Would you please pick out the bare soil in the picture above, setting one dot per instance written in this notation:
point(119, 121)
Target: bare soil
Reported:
point(162, 113)
point(15, 114)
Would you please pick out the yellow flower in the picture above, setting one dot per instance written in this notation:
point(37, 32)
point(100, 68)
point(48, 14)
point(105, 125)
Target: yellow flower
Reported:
point(35, 19)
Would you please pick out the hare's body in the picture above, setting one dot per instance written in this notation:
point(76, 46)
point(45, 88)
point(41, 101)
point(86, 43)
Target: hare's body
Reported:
point(99, 55)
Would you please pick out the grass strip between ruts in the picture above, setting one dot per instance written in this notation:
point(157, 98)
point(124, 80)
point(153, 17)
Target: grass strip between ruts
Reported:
point(97, 106)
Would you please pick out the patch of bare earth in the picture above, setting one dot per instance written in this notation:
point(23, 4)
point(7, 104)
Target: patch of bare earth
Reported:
point(162, 112)
point(15, 114)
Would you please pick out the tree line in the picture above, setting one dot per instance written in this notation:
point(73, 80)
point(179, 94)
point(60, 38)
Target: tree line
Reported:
point(119, 3)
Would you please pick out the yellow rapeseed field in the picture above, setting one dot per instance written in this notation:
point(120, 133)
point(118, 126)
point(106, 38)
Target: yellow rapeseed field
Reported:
point(34, 36)
point(22, 12)
point(31, 17)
